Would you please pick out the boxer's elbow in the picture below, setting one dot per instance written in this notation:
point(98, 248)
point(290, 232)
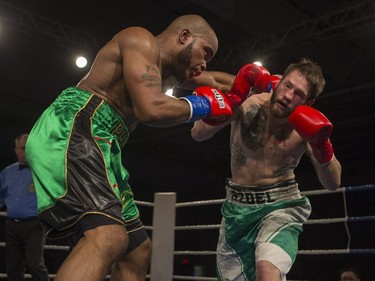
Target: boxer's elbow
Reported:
point(332, 186)
point(332, 183)
point(198, 136)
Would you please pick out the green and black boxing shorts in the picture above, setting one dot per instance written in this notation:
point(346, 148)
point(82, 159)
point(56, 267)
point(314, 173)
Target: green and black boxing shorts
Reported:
point(74, 151)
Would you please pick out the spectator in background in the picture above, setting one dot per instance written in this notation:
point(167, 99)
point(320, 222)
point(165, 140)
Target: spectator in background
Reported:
point(25, 236)
point(349, 274)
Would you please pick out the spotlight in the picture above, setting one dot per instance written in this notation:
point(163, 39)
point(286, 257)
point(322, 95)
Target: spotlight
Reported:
point(81, 62)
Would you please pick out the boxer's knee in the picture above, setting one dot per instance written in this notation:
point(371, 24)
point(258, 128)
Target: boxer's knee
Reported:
point(267, 271)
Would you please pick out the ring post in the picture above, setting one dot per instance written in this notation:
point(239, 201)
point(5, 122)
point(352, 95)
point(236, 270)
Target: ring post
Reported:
point(163, 236)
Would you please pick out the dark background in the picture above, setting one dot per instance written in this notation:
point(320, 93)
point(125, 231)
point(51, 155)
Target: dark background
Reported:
point(40, 39)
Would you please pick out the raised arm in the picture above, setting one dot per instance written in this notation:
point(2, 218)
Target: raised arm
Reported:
point(315, 128)
point(220, 80)
point(140, 55)
point(329, 174)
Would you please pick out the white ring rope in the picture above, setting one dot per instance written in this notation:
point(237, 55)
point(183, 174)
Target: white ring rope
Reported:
point(200, 203)
point(306, 193)
point(300, 252)
point(144, 203)
point(198, 227)
point(336, 220)
point(341, 189)
point(310, 221)
point(179, 277)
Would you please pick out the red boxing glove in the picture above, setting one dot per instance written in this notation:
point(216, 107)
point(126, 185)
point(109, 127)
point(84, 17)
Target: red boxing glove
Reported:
point(221, 110)
point(249, 76)
point(208, 104)
point(314, 128)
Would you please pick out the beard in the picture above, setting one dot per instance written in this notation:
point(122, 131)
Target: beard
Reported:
point(275, 110)
point(183, 62)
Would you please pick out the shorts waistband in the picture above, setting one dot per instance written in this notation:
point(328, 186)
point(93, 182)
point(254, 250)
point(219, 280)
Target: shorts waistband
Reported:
point(93, 105)
point(261, 195)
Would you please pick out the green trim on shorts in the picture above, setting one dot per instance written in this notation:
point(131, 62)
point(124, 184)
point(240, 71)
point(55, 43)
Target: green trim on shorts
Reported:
point(244, 227)
point(48, 144)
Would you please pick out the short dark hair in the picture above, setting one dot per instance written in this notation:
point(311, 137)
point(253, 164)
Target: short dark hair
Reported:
point(313, 74)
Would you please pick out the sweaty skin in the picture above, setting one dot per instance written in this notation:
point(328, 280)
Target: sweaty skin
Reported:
point(265, 149)
point(127, 73)
point(263, 154)
point(130, 73)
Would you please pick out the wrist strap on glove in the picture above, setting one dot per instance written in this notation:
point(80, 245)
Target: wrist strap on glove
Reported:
point(323, 152)
point(199, 107)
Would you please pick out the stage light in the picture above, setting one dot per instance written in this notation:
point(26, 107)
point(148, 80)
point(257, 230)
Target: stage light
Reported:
point(81, 62)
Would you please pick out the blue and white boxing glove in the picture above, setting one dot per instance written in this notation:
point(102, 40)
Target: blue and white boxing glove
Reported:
point(208, 104)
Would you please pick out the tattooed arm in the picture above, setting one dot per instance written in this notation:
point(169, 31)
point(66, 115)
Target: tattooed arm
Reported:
point(201, 131)
point(143, 79)
point(220, 80)
point(127, 74)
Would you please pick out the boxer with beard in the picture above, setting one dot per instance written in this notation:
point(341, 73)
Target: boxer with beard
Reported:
point(75, 146)
point(264, 212)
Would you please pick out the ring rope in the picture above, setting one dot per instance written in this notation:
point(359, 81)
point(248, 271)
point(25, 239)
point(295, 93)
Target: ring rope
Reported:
point(27, 275)
point(144, 203)
point(219, 201)
point(200, 203)
point(309, 192)
point(346, 222)
point(341, 189)
point(300, 252)
point(310, 221)
point(217, 226)
point(336, 220)
point(180, 277)
point(201, 253)
point(198, 227)
point(176, 277)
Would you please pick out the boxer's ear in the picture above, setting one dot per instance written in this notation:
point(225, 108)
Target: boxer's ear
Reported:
point(310, 102)
point(185, 36)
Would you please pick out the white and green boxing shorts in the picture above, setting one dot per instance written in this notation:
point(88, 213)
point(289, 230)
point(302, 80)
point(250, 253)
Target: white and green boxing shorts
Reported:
point(260, 223)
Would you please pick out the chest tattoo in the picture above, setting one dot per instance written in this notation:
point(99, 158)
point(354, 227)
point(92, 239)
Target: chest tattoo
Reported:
point(279, 143)
point(278, 147)
point(253, 125)
point(238, 155)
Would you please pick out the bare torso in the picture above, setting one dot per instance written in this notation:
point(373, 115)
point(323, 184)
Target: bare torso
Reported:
point(264, 150)
point(106, 78)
